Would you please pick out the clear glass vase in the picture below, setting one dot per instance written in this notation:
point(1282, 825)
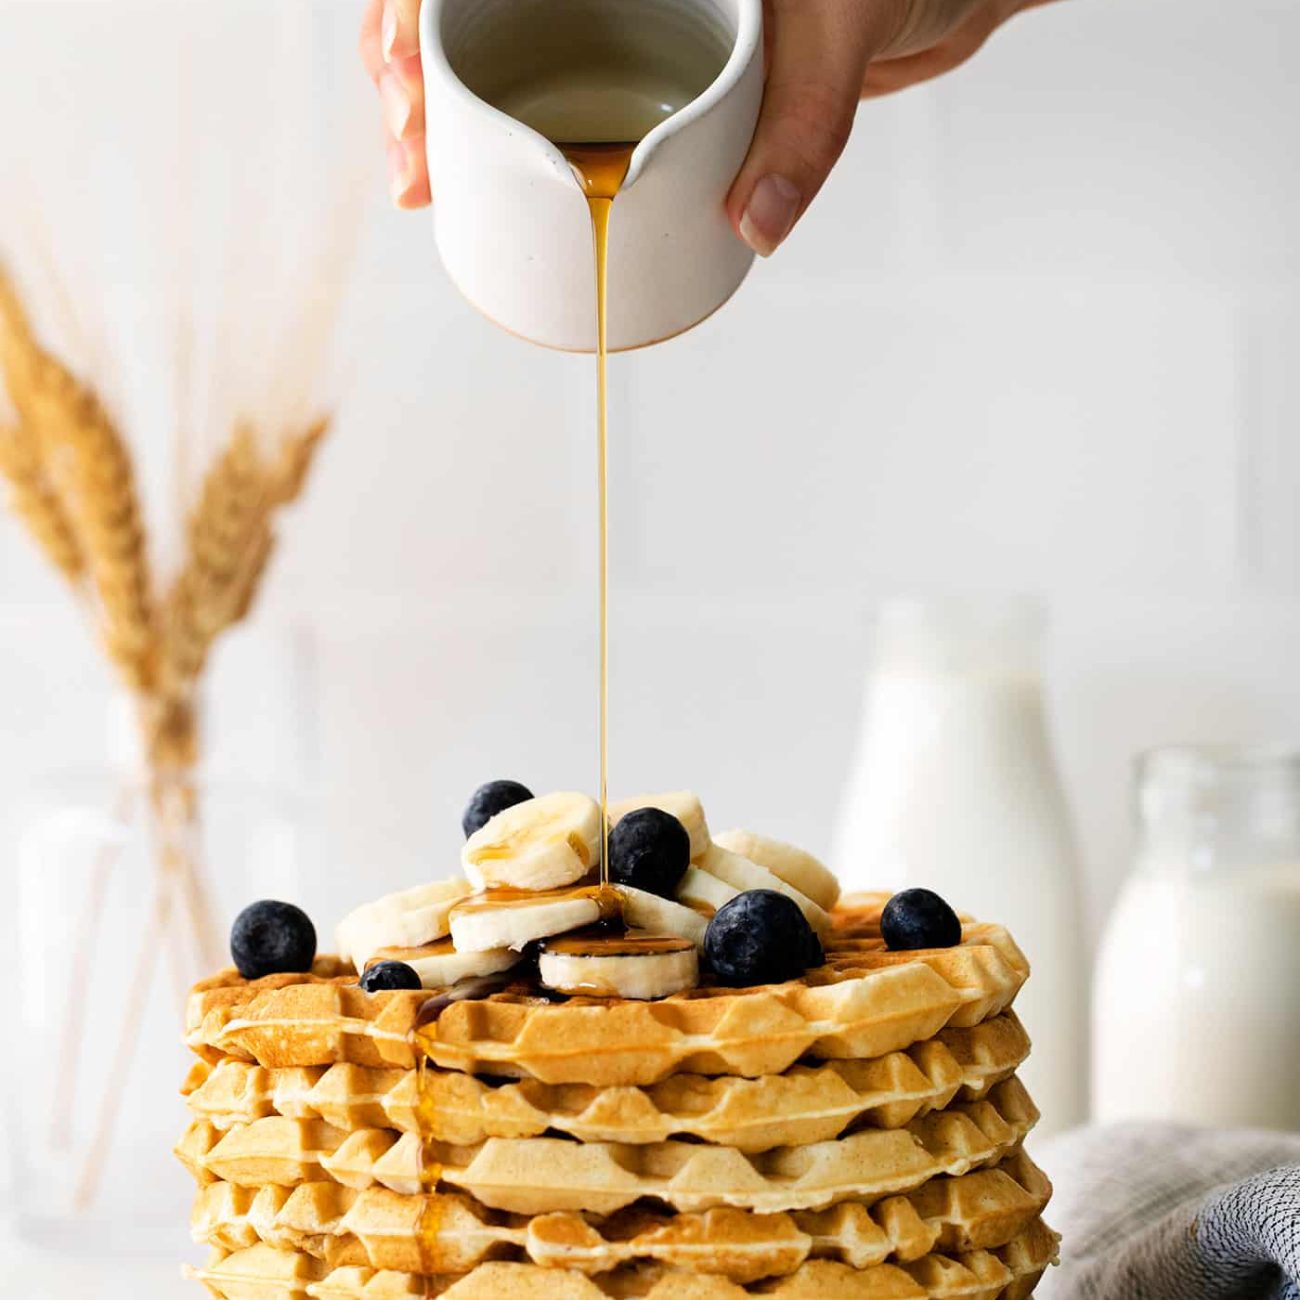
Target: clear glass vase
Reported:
point(121, 892)
point(121, 904)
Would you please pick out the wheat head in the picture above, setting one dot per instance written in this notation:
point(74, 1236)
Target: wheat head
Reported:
point(90, 459)
point(293, 463)
point(87, 468)
point(37, 505)
point(228, 532)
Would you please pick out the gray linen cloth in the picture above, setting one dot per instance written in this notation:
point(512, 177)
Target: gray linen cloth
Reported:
point(1163, 1212)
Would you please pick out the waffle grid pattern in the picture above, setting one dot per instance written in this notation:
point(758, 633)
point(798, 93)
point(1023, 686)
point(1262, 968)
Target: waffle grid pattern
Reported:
point(540, 1175)
point(1008, 1273)
point(808, 1103)
point(451, 1233)
point(854, 1135)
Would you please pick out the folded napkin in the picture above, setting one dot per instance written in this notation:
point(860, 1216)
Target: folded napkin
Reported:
point(1163, 1212)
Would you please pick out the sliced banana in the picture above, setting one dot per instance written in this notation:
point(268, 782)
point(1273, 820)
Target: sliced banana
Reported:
point(409, 919)
point(743, 875)
point(797, 867)
point(636, 965)
point(683, 804)
point(542, 843)
point(439, 965)
point(486, 922)
point(700, 889)
point(647, 911)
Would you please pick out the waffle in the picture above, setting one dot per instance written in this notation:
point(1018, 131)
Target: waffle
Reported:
point(854, 1133)
point(430, 1234)
point(864, 1002)
point(809, 1103)
point(262, 1272)
point(288, 1020)
point(541, 1175)
point(230, 1092)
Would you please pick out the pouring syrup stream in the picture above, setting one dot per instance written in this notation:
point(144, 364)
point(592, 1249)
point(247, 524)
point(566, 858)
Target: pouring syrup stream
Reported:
point(601, 170)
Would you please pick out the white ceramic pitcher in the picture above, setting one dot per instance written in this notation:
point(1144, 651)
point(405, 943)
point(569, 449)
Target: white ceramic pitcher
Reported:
point(512, 224)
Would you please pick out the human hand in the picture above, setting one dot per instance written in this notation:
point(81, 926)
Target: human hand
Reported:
point(822, 56)
point(390, 51)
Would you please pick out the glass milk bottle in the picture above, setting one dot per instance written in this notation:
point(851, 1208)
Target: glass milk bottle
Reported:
point(1196, 1006)
point(955, 788)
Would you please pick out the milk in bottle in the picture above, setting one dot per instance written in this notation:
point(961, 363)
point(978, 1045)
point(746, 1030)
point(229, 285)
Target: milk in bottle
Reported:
point(1197, 995)
point(955, 788)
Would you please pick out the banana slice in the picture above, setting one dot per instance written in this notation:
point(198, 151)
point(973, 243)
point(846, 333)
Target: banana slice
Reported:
point(409, 919)
point(699, 889)
point(683, 804)
point(743, 875)
point(648, 911)
point(542, 843)
point(439, 965)
point(635, 965)
point(797, 867)
point(511, 919)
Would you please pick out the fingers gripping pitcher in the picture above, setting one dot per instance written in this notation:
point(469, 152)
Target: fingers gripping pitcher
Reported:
point(509, 83)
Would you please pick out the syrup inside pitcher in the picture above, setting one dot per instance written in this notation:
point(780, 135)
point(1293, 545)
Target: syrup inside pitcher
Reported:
point(590, 71)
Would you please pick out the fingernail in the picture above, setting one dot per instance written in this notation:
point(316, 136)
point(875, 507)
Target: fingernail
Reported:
point(396, 103)
point(773, 207)
point(399, 171)
point(388, 31)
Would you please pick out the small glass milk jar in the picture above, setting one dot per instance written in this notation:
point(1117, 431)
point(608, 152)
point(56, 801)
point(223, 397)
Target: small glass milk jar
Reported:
point(1196, 1008)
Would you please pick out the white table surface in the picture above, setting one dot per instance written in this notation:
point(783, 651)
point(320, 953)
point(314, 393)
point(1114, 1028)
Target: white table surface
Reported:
point(26, 1273)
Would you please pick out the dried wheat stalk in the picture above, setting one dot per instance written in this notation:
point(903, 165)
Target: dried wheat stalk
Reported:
point(230, 541)
point(71, 483)
point(18, 347)
point(294, 462)
point(105, 505)
point(37, 505)
point(225, 527)
point(86, 462)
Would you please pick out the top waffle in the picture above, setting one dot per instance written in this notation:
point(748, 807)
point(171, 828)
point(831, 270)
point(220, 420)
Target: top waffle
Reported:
point(865, 1001)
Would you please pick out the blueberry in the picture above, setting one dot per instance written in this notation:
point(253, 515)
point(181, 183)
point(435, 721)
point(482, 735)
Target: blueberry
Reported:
point(649, 849)
point(919, 918)
point(814, 953)
point(270, 937)
point(389, 975)
point(759, 937)
point(490, 799)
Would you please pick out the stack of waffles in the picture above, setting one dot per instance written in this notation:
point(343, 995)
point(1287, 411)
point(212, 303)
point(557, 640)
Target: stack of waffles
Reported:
point(854, 1133)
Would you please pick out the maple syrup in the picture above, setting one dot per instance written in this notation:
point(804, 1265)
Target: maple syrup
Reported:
point(431, 1216)
point(589, 70)
point(601, 170)
point(606, 898)
point(633, 943)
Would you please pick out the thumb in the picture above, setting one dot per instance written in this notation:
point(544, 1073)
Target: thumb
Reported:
point(818, 54)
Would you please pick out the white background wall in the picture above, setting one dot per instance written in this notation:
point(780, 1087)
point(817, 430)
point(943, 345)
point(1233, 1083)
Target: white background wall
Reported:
point(1037, 332)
